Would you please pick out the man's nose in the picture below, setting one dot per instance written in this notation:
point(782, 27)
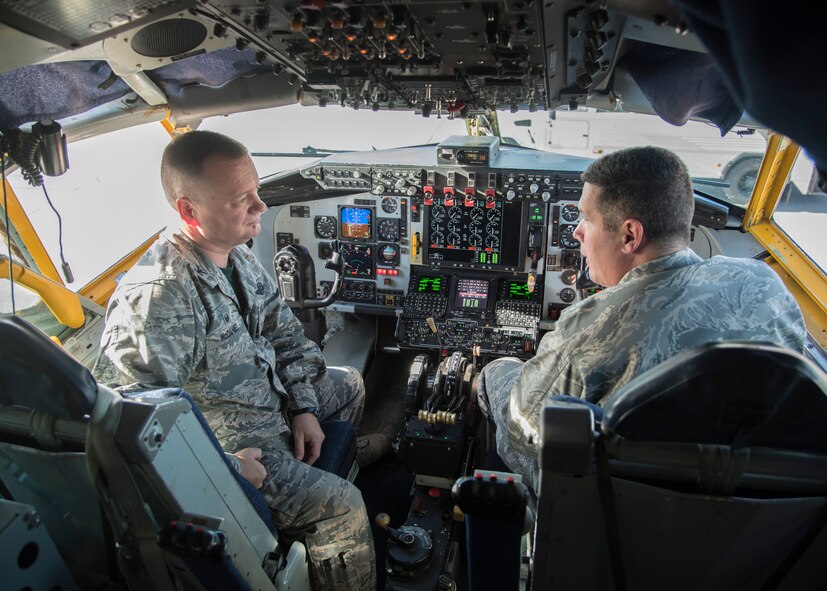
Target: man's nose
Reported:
point(578, 232)
point(259, 205)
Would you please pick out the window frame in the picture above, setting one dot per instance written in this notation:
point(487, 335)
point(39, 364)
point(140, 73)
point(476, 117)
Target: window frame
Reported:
point(802, 276)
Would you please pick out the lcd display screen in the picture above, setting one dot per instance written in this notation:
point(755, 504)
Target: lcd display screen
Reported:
point(428, 284)
point(471, 293)
point(470, 233)
point(517, 290)
point(358, 260)
point(355, 223)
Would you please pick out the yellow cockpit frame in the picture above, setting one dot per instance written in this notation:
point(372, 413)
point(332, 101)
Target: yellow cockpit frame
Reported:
point(801, 275)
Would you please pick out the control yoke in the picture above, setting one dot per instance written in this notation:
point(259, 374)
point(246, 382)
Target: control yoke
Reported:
point(297, 276)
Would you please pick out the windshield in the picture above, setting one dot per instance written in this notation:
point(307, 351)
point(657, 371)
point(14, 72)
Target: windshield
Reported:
point(111, 195)
point(802, 211)
point(293, 128)
point(724, 167)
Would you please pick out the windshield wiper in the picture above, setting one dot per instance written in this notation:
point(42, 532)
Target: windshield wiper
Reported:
point(307, 152)
point(712, 182)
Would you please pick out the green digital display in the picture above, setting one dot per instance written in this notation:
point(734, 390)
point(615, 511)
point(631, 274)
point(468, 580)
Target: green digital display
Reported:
point(517, 290)
point(426, 284)
point(536, 213)
point(488, 258)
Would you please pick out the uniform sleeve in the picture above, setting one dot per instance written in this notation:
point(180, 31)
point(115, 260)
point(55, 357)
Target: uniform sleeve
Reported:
point(544, 375)
point(153, 338)
point(299, 361)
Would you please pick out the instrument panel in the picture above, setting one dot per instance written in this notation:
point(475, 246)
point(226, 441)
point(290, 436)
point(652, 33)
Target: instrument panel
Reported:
point(469, 243)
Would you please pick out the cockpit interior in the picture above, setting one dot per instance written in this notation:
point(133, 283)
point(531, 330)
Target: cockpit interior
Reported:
point(418, 265)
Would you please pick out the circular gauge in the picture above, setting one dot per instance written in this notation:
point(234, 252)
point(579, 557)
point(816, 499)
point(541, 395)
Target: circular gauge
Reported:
point(567, 295)
point(437, 213)
point(389, 205)
point(492, 228)
point(567, 239)
point(453, 238)
point(437, 238)
point(455, 212)
point(475, 239)
point(569, 276)
point(388, 254)
point(454, 226)
point(570, 213)
point(492, 241)
point(477, 213)
point(475, 227)
point(325, 227)
point(388, 229)
point(494, 215)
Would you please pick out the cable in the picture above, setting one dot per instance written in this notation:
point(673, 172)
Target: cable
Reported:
point(8, 230)
point(67, 271)
point(22, 148)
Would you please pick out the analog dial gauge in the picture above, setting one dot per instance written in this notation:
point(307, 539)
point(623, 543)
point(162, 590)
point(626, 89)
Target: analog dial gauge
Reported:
point(325, 227)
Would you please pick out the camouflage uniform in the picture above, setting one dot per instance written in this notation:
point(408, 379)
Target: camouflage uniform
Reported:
point(175, 320)
point(662, 307)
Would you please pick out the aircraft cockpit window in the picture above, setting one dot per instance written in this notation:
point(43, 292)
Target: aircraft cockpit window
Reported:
point(724, 167)
point(802, 211)
point(29, 306)
point(109, 201)
point(332, 129)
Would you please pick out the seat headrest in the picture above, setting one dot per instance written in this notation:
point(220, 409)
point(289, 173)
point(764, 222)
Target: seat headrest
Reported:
point(38, 374)
point(741, 394)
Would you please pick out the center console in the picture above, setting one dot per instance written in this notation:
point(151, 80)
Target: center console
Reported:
point(471, 312)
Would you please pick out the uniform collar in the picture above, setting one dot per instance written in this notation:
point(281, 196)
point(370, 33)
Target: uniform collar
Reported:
point(676, 260)
point(202, 265)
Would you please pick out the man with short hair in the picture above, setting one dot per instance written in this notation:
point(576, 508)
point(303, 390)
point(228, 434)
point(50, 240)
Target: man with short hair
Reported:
point(199, 312)
point(659, 299)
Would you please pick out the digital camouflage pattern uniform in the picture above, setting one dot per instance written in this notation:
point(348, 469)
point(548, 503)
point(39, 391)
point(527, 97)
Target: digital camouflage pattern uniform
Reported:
point(175, 321)
point(657, 309)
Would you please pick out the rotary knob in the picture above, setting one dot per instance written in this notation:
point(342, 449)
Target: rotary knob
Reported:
point(546, 195)
point(510, 194)
point(356, 174)
point(533, 188)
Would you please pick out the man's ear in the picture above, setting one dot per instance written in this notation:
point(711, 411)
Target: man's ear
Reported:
point(632, 236)
point(187, 211)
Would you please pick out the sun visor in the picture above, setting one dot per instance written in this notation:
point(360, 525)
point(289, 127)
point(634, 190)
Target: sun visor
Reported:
point(59, 90)
point(681, 85)
point(55, 91)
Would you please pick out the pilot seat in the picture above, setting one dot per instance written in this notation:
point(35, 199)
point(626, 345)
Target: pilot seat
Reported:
point(708, 471)
point(129, 491)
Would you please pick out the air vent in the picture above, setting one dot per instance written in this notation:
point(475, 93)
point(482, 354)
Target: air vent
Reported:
point(168, 38)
